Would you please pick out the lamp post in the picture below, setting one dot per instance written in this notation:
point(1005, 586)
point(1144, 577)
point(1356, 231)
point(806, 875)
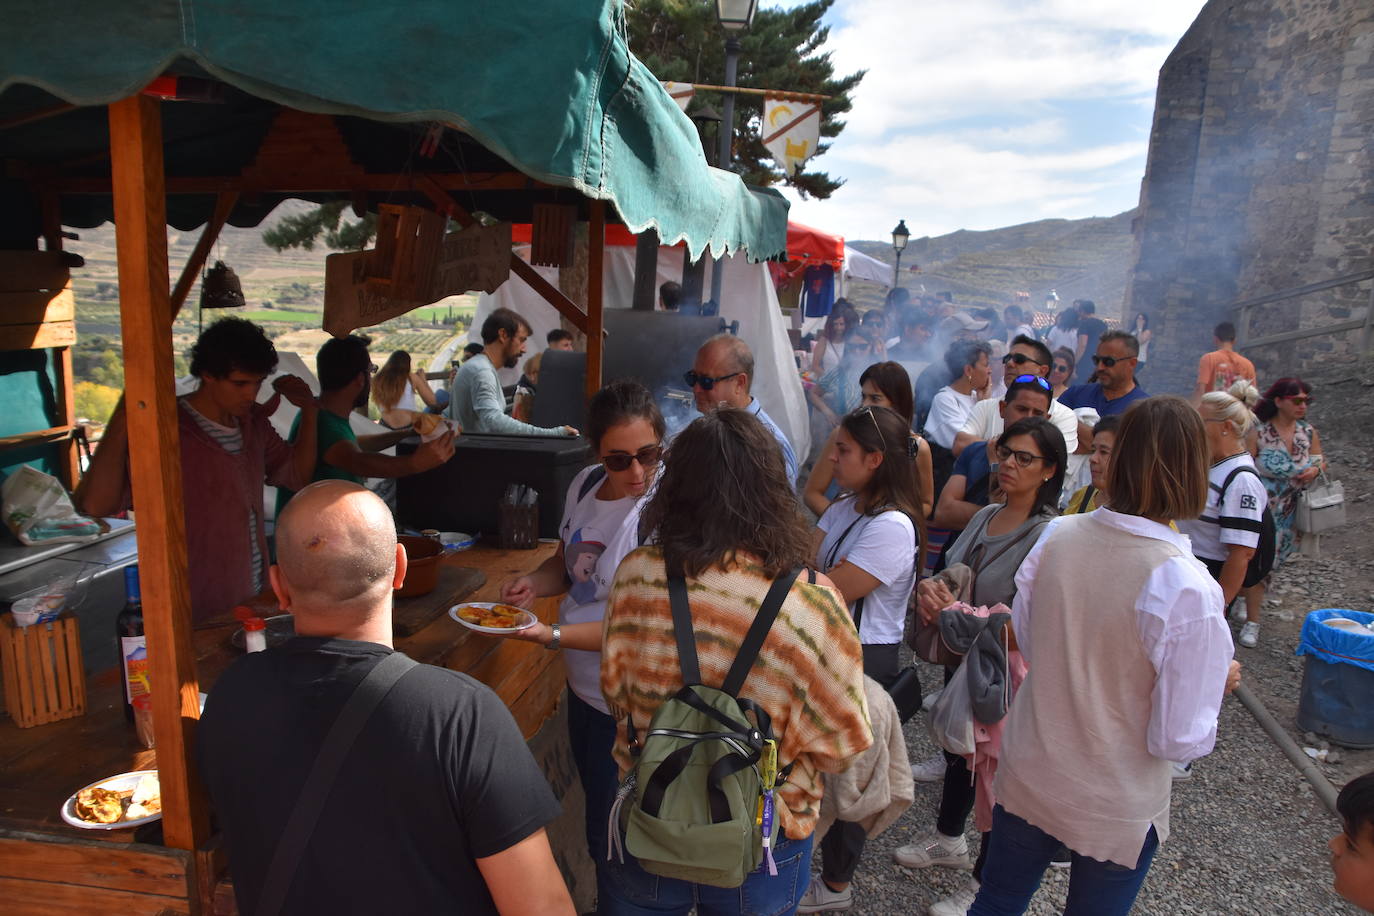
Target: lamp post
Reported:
point(734, 17)
point(900, 235)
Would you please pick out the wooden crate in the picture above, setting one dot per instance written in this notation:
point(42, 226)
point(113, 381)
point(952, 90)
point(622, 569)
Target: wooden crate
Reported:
point(44, 678)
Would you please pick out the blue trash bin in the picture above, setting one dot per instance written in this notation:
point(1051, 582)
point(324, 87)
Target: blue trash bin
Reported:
point(1337, 697)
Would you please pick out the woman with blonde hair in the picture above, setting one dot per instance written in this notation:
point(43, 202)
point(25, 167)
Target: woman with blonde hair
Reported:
point(1128, 666)
point(1227, 534)
point(394, 388)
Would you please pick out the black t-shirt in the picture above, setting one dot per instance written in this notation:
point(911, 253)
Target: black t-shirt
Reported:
point(438, 778)
point(1094, 328)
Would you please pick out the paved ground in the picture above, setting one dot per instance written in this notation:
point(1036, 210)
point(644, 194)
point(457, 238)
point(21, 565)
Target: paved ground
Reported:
point(1249, 836)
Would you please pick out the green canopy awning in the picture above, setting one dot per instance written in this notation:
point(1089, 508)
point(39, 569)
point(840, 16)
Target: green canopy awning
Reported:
point(549, 86)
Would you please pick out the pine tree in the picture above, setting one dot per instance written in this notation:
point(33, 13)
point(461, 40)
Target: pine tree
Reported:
point(681, 40)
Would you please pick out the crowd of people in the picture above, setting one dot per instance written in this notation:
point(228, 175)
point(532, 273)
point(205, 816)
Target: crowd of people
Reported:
point(967, 519)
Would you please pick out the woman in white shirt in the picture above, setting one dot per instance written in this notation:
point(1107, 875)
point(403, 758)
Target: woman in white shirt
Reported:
point(867, 543)
point(394, 388)
point(600, 526)
point(1086, 751)
point(968, 363)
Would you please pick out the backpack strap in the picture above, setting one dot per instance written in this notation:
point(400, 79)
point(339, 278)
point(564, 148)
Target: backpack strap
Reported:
point(758, 631)
point(1088, 495)
point(1244, 524)
point(361, 703)
point(597, 475)
point(682, 631)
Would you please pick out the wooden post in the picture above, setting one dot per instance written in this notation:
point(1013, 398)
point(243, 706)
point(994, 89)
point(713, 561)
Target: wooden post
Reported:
point(69, 457)
point(596, 275)
point(154, 458)
point(224, 205)
point(646, 271)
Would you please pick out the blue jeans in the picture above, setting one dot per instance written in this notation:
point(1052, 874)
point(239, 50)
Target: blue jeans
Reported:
point(591, 734)
point(629, 890)
point(1019, 853)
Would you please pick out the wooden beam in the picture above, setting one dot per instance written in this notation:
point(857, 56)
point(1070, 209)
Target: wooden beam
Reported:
point(140, 210)
point(315, 182)
point(596, 285)
point(36, 306)
point(37, 335)
point(551, 294)
point(224, 205)
point(51, 205)
point(70, 463)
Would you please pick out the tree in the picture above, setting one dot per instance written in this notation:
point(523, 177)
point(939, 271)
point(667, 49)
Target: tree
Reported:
point(94, 402)
point(681, 40)
point(301, 230)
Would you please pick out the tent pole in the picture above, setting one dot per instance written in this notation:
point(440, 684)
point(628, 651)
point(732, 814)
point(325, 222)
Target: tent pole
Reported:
point(155, 458)
point(596, 281)
point(224, 205)
point(646, 271)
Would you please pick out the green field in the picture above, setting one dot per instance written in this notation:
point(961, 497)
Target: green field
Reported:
point(441, 312)
point(311, 318)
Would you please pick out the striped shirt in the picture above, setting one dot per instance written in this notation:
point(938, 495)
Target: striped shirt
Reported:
point(808, 675)
point(230, 438)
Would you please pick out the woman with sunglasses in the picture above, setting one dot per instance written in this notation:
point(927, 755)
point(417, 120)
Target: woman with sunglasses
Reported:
point(1288, 453)
point(883, 385)
point(600, 526)
point(866, 543)
point(1061, 371)
point(1030, 471)
point(838, 392)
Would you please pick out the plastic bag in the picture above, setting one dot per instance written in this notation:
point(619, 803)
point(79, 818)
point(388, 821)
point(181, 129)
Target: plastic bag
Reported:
point(39, 511)
point(950, 721)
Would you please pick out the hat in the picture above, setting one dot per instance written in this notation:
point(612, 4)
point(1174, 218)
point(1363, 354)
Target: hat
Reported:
point(962, 321)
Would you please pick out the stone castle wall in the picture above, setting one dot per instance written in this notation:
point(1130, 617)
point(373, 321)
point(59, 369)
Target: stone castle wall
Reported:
point(1260, 178)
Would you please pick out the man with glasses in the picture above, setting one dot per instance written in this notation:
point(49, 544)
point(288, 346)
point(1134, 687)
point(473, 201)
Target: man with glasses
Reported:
point(345, 370)
point(1028, 356)
point(1113, 387)
point(721, 376)
point(477, 403)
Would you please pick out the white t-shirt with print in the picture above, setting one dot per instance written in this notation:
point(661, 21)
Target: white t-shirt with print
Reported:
point(884, 546)
point(595, 540)
point(1235, 523)
point(985, 422)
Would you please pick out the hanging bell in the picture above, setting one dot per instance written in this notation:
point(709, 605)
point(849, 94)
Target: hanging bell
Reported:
point(220, 288)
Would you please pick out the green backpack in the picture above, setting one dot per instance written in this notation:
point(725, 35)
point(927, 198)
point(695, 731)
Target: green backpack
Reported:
point(698, 803)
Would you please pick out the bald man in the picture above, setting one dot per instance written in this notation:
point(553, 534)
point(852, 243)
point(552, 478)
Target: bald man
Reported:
point(721, 376)
point(438, 807)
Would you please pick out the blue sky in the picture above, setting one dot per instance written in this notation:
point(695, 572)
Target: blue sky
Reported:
point(977, 114)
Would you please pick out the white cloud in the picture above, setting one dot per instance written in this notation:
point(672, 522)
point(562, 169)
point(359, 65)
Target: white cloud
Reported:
point(972, 114)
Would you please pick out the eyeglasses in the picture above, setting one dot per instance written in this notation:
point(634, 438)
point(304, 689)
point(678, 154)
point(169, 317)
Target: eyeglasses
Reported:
point(647, 458)
point(1020, 359)
point(1060, 367)
point(1302, 399)
point(372, 368)
point(1109, 361)
point(705, 382)
point(1024, 379)
point(1023, 459)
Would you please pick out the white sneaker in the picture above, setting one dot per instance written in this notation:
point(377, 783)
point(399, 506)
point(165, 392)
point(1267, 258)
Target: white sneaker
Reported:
point(951, 852)
point(1237, 611)
point(1249, 634)
point(958, 903)
point(1183, 770)
point(932, 770)
point(821, 899)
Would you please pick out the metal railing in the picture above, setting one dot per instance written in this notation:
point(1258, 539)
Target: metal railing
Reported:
point(1364, 324)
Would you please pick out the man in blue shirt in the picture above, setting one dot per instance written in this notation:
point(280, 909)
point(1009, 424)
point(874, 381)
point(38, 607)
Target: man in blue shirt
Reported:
point(1112, 388)
point(722, 375)
point(477, 402)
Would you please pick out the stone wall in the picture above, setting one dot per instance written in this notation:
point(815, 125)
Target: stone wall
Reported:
point(1260, 178)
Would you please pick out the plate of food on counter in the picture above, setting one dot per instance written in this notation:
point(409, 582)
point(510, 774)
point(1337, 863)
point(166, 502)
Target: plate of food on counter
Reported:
point(485, 617)
point(116, 802)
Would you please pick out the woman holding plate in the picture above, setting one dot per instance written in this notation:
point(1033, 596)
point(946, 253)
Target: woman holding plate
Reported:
point(600, 525)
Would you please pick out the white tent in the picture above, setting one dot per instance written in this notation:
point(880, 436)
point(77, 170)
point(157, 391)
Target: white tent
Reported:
point(749, 298)
point(859, 266)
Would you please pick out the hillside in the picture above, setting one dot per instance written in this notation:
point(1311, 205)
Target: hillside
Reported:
point(1080, 259)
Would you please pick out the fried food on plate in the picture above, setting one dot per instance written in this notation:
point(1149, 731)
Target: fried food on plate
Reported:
point(498, 616)
point(99, 805)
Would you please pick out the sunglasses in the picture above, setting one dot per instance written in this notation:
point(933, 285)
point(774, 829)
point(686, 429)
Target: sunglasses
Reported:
point(1020, 359)
point(1109, 361)
point(1060, 367)
point(1023, 459)
point(1021, 379)
point(1302, 399)
point(647, 458)
point(705, 382)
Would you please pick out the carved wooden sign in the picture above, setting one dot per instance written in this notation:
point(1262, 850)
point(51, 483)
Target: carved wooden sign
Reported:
point(475, 258)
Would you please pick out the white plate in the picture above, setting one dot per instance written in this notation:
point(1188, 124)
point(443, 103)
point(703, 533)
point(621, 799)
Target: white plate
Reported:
point(121, 783)
point(456, 540)
point(530, 619)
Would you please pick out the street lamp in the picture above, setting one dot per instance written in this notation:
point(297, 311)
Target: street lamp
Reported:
point(900, 235)
point(734, 17)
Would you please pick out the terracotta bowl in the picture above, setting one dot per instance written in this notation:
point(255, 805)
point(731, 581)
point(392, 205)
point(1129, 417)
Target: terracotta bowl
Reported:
point(423, 573)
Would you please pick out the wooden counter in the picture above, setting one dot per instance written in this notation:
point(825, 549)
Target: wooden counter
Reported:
point(47, 866)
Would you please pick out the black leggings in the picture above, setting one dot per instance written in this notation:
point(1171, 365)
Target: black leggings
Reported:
point(843, 843)
point(957, 796)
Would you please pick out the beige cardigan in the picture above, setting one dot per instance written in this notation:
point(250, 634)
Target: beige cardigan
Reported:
point(877, 788)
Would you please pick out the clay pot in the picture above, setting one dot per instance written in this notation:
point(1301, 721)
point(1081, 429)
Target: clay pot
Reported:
point(423, 573)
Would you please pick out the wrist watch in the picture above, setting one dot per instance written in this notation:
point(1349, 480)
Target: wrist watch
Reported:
point(557, 637)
